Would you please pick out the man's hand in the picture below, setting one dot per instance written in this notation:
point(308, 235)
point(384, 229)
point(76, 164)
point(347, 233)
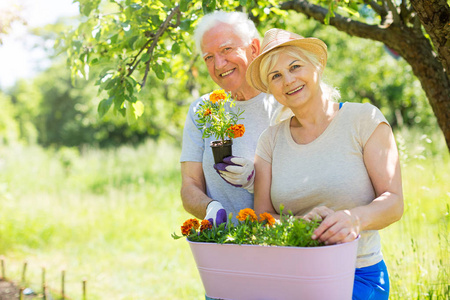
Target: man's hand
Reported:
point(237, 171)
point(215, 213)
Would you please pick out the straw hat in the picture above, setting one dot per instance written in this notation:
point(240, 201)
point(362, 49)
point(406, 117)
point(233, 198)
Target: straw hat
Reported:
point(275, 38)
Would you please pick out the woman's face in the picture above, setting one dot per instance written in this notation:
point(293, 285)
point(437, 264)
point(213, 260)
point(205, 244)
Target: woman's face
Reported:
point(293, 82)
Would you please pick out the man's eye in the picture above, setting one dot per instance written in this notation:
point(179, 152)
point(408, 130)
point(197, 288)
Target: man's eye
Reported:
point(208, 57)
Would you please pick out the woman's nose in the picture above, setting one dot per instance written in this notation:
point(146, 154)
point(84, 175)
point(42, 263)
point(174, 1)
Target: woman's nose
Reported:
point(288, 78)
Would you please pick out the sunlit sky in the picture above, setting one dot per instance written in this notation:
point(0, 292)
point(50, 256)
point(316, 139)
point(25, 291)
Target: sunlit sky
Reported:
point(18, 56)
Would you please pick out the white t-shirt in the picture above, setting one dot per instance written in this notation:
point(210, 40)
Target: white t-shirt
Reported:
point(258, 114)
point(328, 171)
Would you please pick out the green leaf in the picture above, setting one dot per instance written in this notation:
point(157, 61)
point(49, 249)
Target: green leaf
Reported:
point(184, 5)
point(208, 6)
point(145, 57)
point(175, 48)
point(104, 106)
point(158, 70)
point(166, 67)
point(111, 83)
point(134, 111)
point(167, 3)
point(132, 40)
point(114, 39)
point(155, 20)
point(86, 8)
point(185, 25)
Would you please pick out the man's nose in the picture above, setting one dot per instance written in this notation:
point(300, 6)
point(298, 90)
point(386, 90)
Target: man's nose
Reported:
point(220, 61)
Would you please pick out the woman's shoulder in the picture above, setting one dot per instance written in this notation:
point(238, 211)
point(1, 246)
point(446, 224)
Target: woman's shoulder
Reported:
point(354, 106)
point(273, 130)
point(362, 110)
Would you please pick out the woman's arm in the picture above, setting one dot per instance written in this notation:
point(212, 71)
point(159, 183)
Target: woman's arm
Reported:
point(383, 166)
point(263, 181)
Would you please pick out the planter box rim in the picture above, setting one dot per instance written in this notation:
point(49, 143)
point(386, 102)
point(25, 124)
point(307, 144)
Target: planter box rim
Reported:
point(274, 246)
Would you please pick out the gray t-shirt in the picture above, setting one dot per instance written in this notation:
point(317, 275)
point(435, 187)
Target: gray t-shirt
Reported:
point(258, 113)
point(328, 171)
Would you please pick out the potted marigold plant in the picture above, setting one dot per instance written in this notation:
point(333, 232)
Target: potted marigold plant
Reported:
point(264, 258)
point(215, 119)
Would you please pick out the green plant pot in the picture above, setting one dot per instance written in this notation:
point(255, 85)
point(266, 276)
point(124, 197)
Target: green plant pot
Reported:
point(221, 150)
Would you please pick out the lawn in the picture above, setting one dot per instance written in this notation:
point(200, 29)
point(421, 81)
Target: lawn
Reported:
point(106, 216)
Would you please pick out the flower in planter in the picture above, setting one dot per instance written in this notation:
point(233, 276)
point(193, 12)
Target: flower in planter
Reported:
point(265, 230)
point(215, 120)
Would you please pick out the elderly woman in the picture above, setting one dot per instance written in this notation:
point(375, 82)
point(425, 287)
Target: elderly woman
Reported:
point(334, 161)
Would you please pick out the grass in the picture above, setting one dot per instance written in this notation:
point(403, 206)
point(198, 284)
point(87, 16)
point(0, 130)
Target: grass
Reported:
point(107, 217)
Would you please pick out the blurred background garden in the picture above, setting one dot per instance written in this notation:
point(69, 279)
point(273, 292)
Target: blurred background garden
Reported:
point(98, 196)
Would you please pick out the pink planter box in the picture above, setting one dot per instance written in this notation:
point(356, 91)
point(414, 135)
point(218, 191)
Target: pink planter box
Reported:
point(250, 272)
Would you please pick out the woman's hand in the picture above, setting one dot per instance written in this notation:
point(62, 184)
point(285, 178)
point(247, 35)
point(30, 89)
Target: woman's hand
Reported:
point(337, 227)
point(318, 213)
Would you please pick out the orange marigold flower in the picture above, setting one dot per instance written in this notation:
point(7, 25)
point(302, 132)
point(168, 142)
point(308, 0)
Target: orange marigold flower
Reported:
point(186, 229)
point(247, 212)
point(207, 112)
point(205, 225)
point(236, 131)
point(267, 217)
point(217, 95)
point(195, 223)
point(188, 225)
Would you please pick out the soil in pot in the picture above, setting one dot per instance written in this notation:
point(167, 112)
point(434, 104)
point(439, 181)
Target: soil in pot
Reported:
point(221, 150)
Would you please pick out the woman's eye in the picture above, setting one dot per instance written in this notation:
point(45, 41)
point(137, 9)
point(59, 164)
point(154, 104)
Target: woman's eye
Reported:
point(275, 76)
point(295, 67)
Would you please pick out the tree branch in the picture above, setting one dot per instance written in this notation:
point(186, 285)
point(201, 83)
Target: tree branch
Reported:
point(135, 60)
point(159, 33)
point(380, 10)
point(347, 25)
point(393, 10)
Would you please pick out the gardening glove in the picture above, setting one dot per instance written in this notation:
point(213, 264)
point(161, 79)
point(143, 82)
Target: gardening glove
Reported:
point(215, 213)
point(237, 171)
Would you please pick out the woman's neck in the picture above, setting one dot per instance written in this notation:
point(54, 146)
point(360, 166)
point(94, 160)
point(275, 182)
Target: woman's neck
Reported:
point(316, 114)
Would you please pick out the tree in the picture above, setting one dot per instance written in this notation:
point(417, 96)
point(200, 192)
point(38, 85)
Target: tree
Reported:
point(121, 41)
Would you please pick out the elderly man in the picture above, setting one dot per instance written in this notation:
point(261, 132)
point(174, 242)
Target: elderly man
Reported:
point(228, 43)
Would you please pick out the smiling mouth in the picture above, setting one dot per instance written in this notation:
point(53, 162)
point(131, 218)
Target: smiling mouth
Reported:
point(296, 90)
point(227, 73)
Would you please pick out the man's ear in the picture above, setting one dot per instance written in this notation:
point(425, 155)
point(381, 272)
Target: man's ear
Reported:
point(255, 46)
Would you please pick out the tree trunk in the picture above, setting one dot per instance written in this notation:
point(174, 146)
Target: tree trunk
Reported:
point(409, 42)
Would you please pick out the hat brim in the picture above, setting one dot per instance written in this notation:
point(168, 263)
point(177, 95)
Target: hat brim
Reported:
point(316, 46)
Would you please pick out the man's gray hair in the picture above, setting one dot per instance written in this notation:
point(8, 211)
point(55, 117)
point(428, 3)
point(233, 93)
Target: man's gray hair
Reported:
point(242, 25)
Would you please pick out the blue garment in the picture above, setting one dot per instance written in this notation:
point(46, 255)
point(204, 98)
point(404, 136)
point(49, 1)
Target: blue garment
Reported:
point(371, 283)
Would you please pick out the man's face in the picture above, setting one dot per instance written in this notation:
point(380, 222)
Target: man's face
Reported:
point(227, 58)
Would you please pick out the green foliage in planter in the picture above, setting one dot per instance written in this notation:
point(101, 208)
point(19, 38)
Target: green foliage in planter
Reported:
point(288, 231)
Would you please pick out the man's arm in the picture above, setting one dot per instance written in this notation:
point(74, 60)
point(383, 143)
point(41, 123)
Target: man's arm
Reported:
point(193, 189)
